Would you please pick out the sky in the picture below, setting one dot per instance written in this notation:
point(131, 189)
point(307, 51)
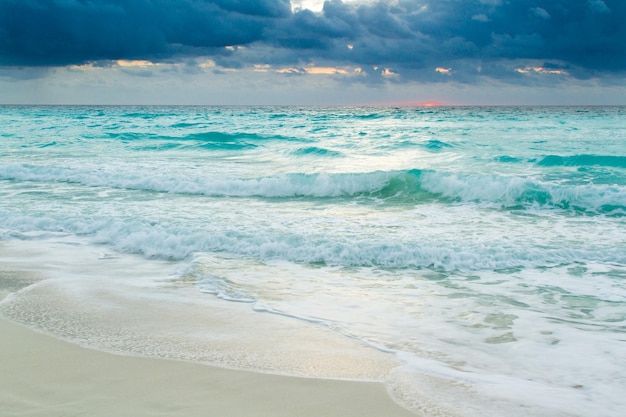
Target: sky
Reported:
point(313, 52)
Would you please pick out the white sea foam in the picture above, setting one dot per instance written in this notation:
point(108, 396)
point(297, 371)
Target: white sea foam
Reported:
point(514, 190)
point(411, 185)
point(400, 250)
point(459, 347)
point(287, 185)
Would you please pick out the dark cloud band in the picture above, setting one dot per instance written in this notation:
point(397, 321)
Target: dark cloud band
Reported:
point(479, 37)
point(59, 32)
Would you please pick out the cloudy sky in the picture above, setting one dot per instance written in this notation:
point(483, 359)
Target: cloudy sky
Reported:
point(313, 51)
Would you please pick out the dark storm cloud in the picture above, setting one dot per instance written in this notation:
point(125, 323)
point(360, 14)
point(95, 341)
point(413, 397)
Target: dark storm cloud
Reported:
point(580, 36)
point(59, 32)
point(473, 38)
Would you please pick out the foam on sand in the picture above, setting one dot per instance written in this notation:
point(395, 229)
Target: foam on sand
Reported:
point(44, 376)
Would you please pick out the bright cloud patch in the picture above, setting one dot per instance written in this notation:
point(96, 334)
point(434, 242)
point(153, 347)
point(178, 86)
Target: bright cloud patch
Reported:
point(138, 63)
point(541, 70)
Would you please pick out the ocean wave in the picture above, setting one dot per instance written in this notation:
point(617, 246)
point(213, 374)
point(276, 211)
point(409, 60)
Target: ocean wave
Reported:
point(523, 192)
point(159, 241)
point(614, 161)
point(283, 185)
point(216, 137)
point(508, 159)
point(404, 186)
point(316, 151)
point(436, 145)
point(201, 136)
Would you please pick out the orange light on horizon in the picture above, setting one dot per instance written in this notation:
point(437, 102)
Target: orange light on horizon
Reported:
point(420, 104)
point(429, 104)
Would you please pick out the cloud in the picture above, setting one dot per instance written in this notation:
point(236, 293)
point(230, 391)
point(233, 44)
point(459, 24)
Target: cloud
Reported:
point(539, 12)
point(480, 17)
point(61, 32)
point(598, 6)
point(500, 37)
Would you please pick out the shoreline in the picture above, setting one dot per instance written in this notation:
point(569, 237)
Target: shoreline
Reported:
point(46, 376)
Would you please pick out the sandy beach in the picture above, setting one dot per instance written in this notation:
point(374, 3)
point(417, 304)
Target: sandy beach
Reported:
point(44, 376)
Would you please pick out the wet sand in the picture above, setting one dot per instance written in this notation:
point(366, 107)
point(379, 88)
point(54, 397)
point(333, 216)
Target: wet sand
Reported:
point(43, 376)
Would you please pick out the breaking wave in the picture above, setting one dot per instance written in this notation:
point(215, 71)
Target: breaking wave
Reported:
point(404, 186)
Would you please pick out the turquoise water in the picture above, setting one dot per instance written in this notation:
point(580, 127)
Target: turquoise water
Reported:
point(484, 246)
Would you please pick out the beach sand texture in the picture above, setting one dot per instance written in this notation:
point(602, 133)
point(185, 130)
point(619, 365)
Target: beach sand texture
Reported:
point(43, 376)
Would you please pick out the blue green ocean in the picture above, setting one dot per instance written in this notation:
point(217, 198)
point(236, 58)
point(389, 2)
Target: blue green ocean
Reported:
point(472, 258)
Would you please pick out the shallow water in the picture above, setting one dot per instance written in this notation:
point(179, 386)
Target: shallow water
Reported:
point(482, 247)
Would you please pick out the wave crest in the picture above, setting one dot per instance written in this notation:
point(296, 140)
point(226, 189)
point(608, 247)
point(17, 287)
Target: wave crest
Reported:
point(407, 186)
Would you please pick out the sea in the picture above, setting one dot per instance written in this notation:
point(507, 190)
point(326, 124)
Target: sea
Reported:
point(471, 258)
